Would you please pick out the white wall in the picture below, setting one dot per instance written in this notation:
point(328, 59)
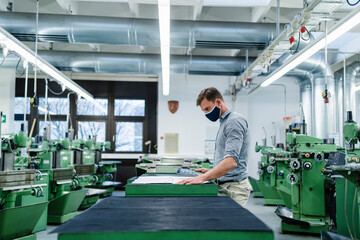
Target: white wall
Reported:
point(263, 107)
point(189, 121)
point(7, 97)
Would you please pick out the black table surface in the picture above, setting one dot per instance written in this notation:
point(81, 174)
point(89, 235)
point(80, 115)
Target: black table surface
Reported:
point(134, 214)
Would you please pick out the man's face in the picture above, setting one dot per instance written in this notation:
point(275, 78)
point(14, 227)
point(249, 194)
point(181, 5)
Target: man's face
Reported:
point(206, 106)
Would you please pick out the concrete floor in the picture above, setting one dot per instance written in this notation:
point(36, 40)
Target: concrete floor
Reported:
point(254, 205)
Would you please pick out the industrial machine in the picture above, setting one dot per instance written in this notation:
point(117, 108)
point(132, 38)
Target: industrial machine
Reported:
point(268, 174)
point(105, 171)
point(23, 193)
point(347, 163)
point(312, 192)
point(65, 191)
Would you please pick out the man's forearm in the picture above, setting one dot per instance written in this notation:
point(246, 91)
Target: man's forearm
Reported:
point(221, 169)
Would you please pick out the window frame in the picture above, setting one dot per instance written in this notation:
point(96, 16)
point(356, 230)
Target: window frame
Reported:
point(109, 90)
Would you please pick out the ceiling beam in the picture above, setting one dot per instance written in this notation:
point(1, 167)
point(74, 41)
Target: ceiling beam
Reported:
point(258, 13)
point(207, 3)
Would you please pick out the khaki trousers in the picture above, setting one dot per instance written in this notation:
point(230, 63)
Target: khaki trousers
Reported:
point(238, 191)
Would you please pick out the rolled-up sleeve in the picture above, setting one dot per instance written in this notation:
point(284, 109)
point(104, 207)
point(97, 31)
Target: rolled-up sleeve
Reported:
point(235, 132)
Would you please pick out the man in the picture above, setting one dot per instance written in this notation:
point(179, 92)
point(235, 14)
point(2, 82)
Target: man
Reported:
point(231, 148)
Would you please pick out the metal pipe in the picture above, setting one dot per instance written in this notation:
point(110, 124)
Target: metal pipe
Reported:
point(278, 18)
point(46, 101)
point(284, 86)
point(129, 63)
point(247, 58)
point(36, 47)
point(26, 89)
point(137, 31)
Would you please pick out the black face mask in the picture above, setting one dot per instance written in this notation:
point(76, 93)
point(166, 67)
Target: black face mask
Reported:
point(214, 114)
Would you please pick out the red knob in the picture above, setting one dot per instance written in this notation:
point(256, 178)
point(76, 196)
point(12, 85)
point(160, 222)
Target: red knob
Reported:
point(291, 40)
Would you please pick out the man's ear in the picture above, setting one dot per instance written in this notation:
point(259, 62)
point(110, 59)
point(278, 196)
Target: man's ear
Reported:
point(219, 102)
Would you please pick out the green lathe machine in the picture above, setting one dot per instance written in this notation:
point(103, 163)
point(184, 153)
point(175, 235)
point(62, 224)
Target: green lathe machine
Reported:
point(23, 193)
point(83, 162)
point(347, 164)
point(269, 174)
point(311, 191)
point(65, 190)
point(103, 178)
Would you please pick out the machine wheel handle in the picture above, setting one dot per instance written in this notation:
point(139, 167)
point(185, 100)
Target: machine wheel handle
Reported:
point(292, 178)
point(38, 175)
point(95, 179)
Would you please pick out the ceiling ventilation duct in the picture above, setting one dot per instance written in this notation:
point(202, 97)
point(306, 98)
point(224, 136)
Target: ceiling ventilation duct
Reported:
point(142, 64)
point(137, 32)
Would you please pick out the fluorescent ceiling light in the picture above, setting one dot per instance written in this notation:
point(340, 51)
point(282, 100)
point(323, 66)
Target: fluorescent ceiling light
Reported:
point(9, 41)
point(44, 111)
point(345, 25)
point(164, 26)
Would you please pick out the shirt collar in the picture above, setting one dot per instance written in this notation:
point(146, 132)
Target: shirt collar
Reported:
point(225, 114)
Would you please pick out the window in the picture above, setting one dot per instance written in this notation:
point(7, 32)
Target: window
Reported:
point(19, 105)
point(86, 129)
point(86, 107)
point(58, 129)
point(123, 113)
point(17, 126)
point(129, 137)
point(57, 106)
point(127, 107)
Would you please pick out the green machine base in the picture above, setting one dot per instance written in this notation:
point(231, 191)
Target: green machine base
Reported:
point(57, 219)
point(20, 221)
point(256, 190)
point(108, 192)
point(257, 195)
point(60, 208)
point(286, 198)
point(316, 229)
point(108, 186)
point(143, 190)
point(271, 196)
point(89, 201)
point(173, 235)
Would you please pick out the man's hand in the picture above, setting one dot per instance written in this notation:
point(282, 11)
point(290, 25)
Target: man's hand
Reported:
point(190, 181)
point(202, 170)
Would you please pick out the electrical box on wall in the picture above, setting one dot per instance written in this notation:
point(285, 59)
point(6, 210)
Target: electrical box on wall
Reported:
point(171, 143)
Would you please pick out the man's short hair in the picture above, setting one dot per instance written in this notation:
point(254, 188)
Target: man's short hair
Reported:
point(210, 94)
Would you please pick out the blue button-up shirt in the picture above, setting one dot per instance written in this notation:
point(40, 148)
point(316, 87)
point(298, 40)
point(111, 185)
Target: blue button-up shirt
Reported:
point(232, 140)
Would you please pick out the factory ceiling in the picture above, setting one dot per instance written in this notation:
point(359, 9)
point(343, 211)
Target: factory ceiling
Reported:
point(211, 11)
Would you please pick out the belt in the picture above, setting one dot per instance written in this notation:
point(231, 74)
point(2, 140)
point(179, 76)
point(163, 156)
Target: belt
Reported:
point(222, 182)
point(227, 181)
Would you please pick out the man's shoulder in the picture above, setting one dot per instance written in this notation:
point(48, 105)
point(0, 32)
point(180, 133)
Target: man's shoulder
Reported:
point(235, 115)
point(236, 118)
